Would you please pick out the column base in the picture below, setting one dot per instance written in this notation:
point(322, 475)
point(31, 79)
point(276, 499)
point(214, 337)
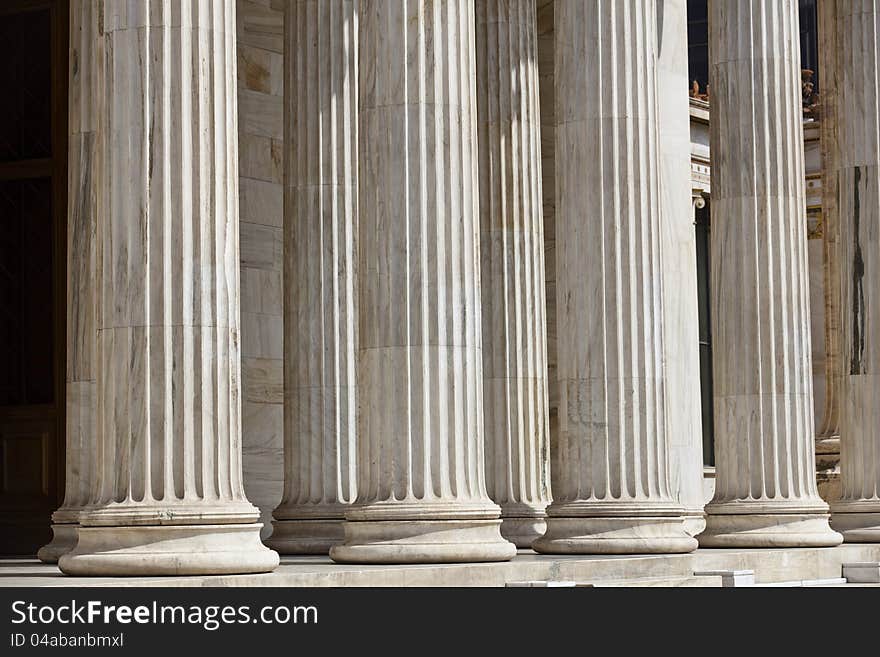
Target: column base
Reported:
point(694, 522)
point(169, 550)
point(605, 535)
point(63, 541)
point(768, 530)
point(306, 536)
point(857, 525)
point(422, 541)
point(523, 532)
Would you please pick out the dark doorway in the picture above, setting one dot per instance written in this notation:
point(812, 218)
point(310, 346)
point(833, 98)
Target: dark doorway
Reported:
point(810, 38)
point(33, 215)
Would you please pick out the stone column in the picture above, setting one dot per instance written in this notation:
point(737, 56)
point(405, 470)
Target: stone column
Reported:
point(857, 513)
point(610, 471)
point(168, 497)
point(421, 484)
point(81, 306)
point(512, 253)
point(678, 257)
point(765, 492)
point(828, 431)
point(320, 320)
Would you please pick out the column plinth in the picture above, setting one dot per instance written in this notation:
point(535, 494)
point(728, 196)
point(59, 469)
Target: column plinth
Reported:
point(420, 475)
point(167, 497)
point(512, 253)
point(857, 513)
point(64, 538)
point(320, 256)
point(610, 474)
point(765, 493)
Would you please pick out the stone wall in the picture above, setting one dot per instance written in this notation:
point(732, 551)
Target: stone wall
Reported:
point(260, 96)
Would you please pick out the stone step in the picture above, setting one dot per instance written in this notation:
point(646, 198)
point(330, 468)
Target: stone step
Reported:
point(719, 579)
point(866, 572)
point(768, 565)
point(730, 578)
point(636, 582)
point(708, 581)
point(539, 584)
point(833, 581)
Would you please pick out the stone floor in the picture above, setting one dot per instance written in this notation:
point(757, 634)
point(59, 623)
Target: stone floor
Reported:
point(818, 565)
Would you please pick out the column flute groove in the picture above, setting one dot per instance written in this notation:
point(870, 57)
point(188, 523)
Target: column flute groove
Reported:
point(765, 493)
point(421, 483)
point(610, 470)
point(168, 495)
point(320, 258)
point(512, 253)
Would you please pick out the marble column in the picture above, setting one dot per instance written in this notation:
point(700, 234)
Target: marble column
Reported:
point(828, 431)
point(857, 513)
point(168, 495)
point(421, 483)
point(678, 257)
point(765, 491)
point(81, 307)
point(512, 253)
point(610, 471)
point(320, 253)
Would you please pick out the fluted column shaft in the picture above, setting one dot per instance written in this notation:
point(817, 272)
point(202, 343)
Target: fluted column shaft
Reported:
point(828, 431)
point(421, 484)
point(320, 255)
point(765, 492)
point(512, 264)
point(610, 470)
point(168, 494)
point(81, 303)
point(857, 514)
point(678, 253)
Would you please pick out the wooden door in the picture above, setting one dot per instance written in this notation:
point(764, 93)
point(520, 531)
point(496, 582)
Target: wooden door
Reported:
point(33, 211)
